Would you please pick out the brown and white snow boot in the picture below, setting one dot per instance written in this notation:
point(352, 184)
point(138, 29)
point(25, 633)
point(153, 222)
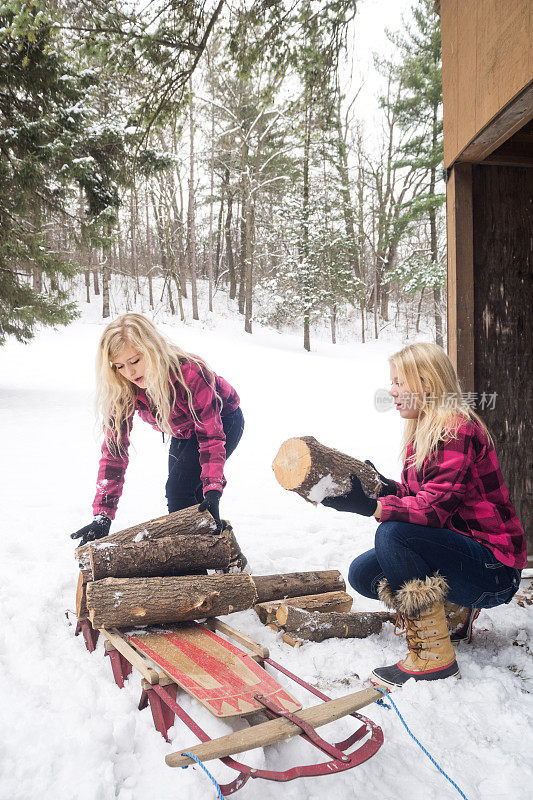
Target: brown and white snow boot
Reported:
point(420, 605)
point(460, 620)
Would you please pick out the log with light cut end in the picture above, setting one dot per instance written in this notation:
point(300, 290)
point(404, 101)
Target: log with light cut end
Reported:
point(328, 601)
point(170, 555)
point(124, 602)
point(315, 626)
point(186, 522)
point(297, 584)
point(315, 471)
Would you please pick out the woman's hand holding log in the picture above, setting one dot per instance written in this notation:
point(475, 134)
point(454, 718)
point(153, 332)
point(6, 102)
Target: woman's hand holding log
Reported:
point(355, 500)
point(210, 503)
point(98, 528)
point(388, 486)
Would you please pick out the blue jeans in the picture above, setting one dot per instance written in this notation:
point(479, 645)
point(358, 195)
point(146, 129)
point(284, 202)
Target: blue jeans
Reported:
point(403, 551)
point(184, 486)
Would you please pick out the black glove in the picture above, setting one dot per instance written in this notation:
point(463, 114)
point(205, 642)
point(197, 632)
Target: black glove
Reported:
point(388, 486)
point(355, 501)
point(99, 527)
point(210, 503)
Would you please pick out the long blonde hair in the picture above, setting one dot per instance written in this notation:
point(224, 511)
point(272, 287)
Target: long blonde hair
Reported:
point(115, 394)
point(429, 375)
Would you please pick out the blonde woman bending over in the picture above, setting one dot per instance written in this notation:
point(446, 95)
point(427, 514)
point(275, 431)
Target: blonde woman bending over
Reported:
point(449, 542)
point(138, 370)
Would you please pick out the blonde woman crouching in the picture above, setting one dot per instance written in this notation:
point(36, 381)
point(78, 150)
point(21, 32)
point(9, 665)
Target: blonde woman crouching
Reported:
point(138, 370)
point(449, 542)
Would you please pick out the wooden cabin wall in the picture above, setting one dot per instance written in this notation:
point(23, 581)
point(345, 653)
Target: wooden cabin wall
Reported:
point(460, 305)
point(502, 208)
point(487, 61)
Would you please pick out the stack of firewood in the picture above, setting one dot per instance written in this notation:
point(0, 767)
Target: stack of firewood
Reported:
point(146, 575)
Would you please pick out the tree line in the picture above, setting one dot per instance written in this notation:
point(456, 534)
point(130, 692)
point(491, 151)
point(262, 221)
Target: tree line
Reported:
point(194, 142)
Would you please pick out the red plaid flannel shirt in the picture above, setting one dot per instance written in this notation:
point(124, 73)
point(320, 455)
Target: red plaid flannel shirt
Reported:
point(462, 489)
point(208, 430)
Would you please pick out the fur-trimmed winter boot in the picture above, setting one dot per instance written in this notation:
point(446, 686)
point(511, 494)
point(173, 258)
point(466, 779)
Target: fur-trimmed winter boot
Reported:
point(460, 620)
point(431, 656)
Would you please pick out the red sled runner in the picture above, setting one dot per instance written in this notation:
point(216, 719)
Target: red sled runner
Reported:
point(231, 682)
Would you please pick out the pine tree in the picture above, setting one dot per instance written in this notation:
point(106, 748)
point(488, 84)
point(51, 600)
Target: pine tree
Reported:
point(50, 143)
point(419, 112)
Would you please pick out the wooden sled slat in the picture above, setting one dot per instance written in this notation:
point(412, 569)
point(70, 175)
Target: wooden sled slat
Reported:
point(117, 640)
point(212, 670)
point(275, 730)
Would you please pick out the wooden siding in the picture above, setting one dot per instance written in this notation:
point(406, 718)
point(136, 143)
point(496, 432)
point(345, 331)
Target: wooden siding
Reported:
point(487, 56)
point(502, 202)
point(460, 273)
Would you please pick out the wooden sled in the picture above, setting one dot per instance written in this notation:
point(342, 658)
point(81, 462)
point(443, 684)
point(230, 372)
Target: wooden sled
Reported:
point(231, 682)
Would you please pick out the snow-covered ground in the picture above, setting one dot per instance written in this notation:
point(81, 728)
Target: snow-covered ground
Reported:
point(68, 733)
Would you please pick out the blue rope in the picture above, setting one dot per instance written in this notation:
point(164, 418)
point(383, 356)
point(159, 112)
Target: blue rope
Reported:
point(200, 764)
point(421, 746)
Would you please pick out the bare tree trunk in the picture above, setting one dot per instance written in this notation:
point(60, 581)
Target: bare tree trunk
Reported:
point(148, 248)
point(243, 229)
point(376, 279)
point(180, 296)
point(170, 299)
point(133, 233)
point(333, 323)
point(84, 255)
point(180, 231)
point(347, 206)
point(87, 285)
point(220, 240)
point(361, 238)
point(229, 246)
point(94, 267)
point(419, 310)
point(106, 258)
point(305, 209)
point(191, 222)
point(249, 265)
point(437, 298)
point(211, 202)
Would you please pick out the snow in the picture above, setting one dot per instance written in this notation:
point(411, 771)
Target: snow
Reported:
point(69, 733)
point(325, 487)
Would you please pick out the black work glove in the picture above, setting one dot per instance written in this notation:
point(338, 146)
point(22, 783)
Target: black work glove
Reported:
point(98, 528)
point(210, 503)
point(355, 501)
point(388, 486)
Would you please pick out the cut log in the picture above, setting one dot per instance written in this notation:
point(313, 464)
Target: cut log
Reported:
point(296, 584)
point(187, 521)
point(315, 471)
point(119, 602)
point(329, 601)
point(291, 641)
point(315, 626)
point(82, 612)
point(170, 555)
point(123, 602)
point(237, 558)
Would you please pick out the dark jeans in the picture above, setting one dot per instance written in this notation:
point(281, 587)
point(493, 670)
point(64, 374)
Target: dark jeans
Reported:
point(184, 487)
point(403, 551)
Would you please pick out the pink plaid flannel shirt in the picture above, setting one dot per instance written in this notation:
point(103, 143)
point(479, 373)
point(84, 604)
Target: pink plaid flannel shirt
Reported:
point(208, 430)
point(462, 489)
